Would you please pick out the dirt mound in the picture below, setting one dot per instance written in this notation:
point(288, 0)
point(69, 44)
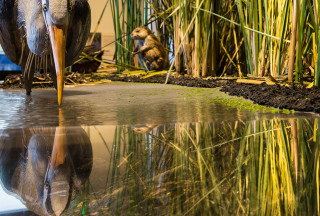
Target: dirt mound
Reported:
point(182, 81)
point(295, 97)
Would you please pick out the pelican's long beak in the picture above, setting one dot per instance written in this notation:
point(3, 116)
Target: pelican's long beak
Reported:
point(58, 37)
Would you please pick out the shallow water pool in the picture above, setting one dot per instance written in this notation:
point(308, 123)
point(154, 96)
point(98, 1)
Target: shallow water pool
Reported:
point(141, 149)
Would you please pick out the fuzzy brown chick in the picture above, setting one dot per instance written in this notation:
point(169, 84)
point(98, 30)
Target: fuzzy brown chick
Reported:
point(151, 53)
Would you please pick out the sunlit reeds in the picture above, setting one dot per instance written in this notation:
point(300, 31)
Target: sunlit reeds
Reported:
point(215, 38)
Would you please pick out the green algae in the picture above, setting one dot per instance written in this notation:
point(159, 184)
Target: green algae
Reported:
point(215, 96)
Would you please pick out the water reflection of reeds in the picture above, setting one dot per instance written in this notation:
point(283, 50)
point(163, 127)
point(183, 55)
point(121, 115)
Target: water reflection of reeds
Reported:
point(265, 167)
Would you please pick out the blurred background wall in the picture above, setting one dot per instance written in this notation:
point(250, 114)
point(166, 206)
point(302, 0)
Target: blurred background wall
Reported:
point(106, 26)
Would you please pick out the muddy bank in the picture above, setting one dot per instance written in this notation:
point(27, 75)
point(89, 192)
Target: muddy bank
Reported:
point(182, 81)
point(295, 97)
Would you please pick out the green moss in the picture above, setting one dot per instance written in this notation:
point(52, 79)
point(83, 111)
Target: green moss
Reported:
point(286, 111)
point(215, 96)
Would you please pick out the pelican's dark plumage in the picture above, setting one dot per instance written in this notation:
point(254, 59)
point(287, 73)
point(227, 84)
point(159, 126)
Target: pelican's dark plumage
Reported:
point(25, 171)
point(44, 34)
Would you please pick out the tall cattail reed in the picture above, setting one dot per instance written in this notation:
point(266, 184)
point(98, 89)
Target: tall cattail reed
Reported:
point(215, 38)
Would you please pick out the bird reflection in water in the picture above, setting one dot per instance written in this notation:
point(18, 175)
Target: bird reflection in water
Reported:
point(45, 167)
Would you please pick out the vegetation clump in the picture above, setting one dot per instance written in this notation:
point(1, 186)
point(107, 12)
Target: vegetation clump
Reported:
point(230, 37)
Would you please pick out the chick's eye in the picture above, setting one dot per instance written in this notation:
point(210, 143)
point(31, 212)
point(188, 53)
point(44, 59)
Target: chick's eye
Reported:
point(45, 8)
point(69, 7)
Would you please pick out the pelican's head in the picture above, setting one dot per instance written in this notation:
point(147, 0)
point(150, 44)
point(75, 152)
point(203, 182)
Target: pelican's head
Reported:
point(47, 22)
point(56, 12)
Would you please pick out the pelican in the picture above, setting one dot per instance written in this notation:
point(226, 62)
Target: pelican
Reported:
point(44, 34)
point(30, 170)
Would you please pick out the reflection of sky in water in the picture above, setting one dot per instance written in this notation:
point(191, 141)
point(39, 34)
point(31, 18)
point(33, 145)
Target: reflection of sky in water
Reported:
point(9, 203)
point(3, 124)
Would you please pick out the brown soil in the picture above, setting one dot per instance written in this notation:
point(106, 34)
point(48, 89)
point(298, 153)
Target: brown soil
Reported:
point(295, 97)
point(182, 81)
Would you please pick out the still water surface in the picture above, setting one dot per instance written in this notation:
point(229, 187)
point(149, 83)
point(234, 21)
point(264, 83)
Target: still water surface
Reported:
point(138, 149)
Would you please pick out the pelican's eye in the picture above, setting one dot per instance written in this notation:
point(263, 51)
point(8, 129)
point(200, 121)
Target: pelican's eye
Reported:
point(69, 7)
point(45, 8)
